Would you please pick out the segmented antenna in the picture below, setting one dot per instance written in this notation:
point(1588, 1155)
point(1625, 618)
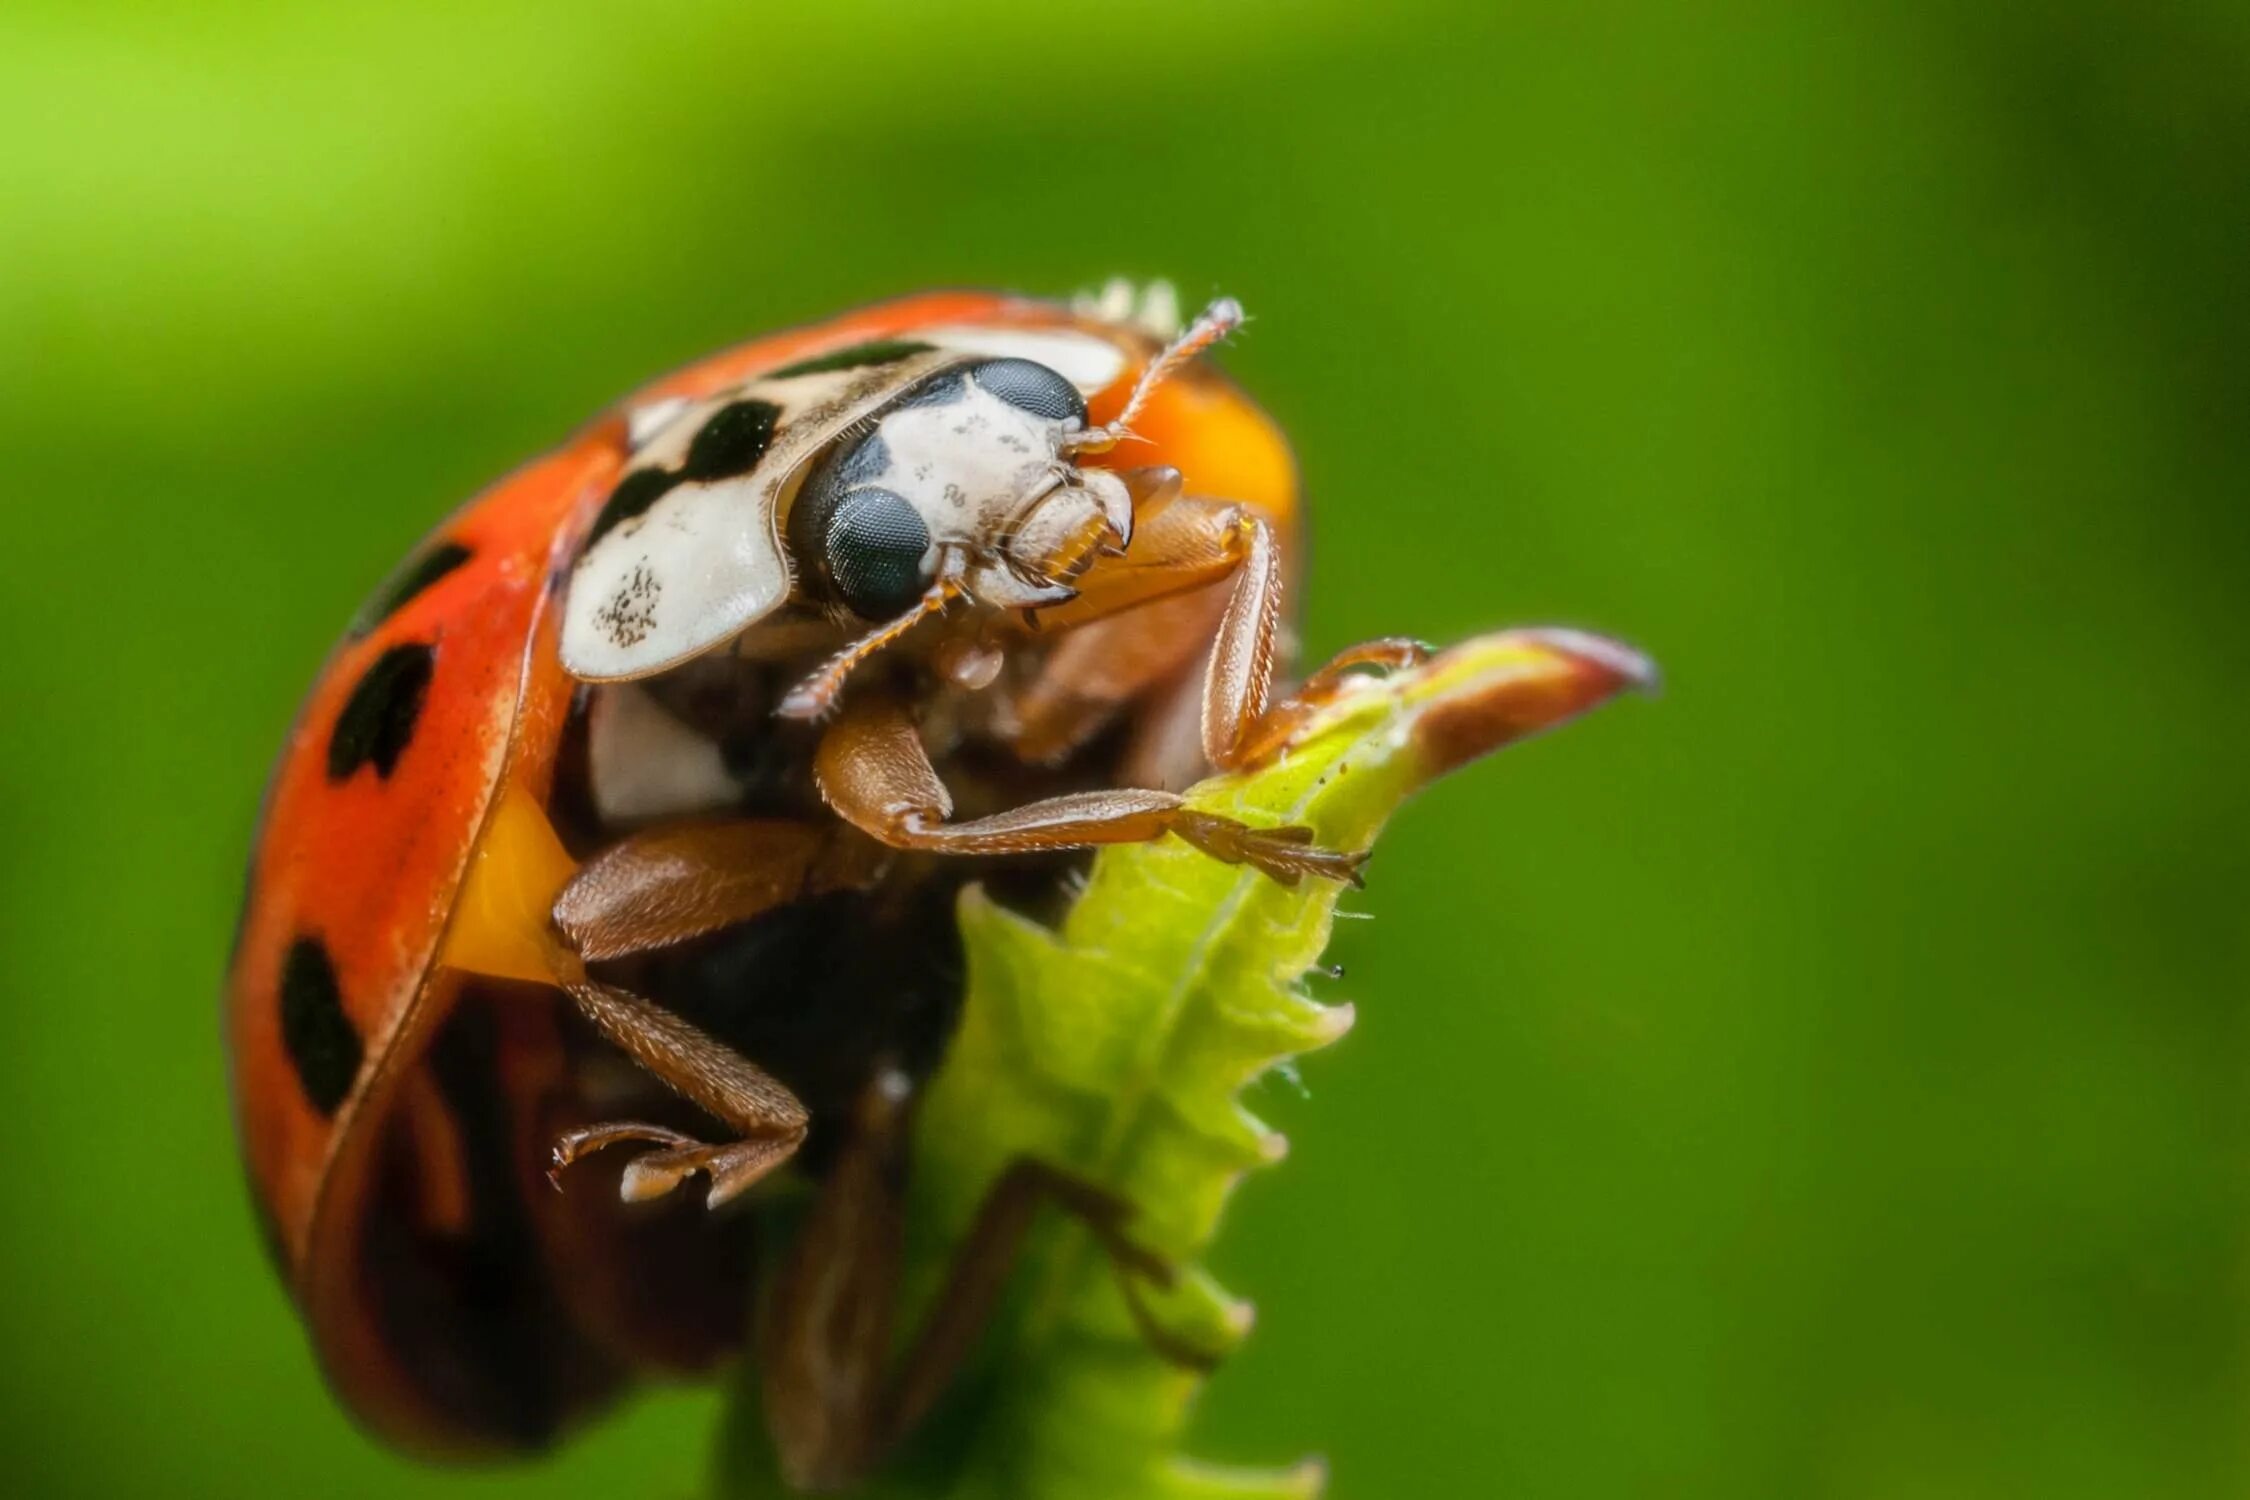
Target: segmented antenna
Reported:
point(812, 698)
point(1211, 325)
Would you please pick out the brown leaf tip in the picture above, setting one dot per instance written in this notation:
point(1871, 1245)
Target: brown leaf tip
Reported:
point(1542, 678)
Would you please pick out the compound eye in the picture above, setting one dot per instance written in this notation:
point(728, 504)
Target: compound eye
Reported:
point(875, 545)
point(1032, 387)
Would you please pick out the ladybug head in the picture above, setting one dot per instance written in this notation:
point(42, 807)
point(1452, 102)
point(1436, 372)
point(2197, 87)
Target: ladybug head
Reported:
point(968, 487)
point(964, 485)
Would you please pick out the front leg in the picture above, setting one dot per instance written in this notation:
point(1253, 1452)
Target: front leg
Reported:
point(1239, 679)
point(1127, 635)
point(1240, 726)
point(872, 768)
point(1188, 544)
point(1258, 737)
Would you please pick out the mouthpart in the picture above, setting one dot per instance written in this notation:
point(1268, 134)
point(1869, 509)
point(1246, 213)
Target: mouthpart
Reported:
point(1055, 540)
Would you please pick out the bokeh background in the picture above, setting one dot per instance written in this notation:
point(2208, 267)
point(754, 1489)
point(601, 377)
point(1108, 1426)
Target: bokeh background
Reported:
point(1826, 1080)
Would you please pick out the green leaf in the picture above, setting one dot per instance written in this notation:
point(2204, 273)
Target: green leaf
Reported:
point(1117, 1048)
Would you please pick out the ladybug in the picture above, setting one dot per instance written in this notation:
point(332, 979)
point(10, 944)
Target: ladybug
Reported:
point(616, 847)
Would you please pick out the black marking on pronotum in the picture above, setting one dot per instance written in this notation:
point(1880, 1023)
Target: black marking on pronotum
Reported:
point(402, 587)
point(732, 441)
point(378, 719)
point(634, 494)
point(323, 1045)
point(729, 443)
point(854, 357)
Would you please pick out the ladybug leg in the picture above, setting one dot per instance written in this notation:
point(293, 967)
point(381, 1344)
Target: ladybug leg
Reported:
point(1239, 679)
point(825, 1335)
point(714, 1077)
point(1150, 595)
point(663, 887)
point(653, 1174)
point(1097, 669)
point(1259, 739)
point(873, 769)
point(987, 1256)
point(666, 885)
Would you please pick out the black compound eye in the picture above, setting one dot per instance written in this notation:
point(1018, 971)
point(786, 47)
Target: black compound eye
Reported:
point(875, 544)
point(1032, 387)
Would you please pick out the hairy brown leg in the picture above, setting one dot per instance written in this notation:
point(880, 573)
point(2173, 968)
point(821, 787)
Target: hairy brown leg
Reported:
point(665, 885)
point(1239, 679)
point(833, 1404)
point(714, 1077)
point(979, 1274)
point(1138, 621)
point(1240, 725)
point(873, 769)
point(1188, 544)
point(1098, 668)
point(1274, 727)
point(658, 888)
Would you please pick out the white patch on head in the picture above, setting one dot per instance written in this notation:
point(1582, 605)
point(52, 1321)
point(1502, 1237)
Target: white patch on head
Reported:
point(645, 764)
point(1088, 362)
point(969, 465)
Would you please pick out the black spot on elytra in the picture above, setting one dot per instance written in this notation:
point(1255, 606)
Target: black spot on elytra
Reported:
point(402, 587)
point(730, 443)
point(322, 1044)
point(854, 357)
point(378, 719)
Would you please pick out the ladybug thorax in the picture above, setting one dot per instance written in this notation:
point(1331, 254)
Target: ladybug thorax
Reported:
point(848, 482)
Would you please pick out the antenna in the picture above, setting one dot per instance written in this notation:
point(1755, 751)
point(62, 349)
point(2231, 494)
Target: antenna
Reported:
point(1210, 326)
point(816, 695)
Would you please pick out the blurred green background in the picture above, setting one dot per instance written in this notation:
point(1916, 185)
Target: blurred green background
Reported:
point(1828, 1080)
